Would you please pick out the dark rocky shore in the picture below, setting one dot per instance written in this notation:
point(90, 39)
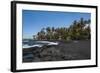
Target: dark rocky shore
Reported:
point(72, 50)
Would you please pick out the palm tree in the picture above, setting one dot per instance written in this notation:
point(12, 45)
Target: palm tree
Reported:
point(74, 32)
point(48, 30)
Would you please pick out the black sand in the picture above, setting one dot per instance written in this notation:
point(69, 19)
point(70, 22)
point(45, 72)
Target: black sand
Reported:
point(72, 50)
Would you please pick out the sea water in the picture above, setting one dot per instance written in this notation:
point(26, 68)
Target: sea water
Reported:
point(36, 43)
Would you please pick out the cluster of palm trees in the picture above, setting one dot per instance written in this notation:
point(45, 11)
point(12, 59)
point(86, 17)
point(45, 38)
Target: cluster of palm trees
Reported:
point(77, 31)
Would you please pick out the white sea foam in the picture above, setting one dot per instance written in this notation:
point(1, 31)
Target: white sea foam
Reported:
point(40, 45)
point(53, 43)
point(49, 43)
point(43, 42)
point(27, 46)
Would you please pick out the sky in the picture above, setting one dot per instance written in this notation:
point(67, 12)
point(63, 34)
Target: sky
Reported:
point(33, 21)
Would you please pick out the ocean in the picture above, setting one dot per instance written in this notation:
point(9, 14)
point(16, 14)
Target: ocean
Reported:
point(27, 43)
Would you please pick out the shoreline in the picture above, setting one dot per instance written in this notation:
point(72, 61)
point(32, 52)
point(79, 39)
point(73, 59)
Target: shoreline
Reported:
point(72, 50)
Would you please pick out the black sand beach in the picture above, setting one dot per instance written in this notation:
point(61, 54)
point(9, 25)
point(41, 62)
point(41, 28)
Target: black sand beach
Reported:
point(70, 50)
